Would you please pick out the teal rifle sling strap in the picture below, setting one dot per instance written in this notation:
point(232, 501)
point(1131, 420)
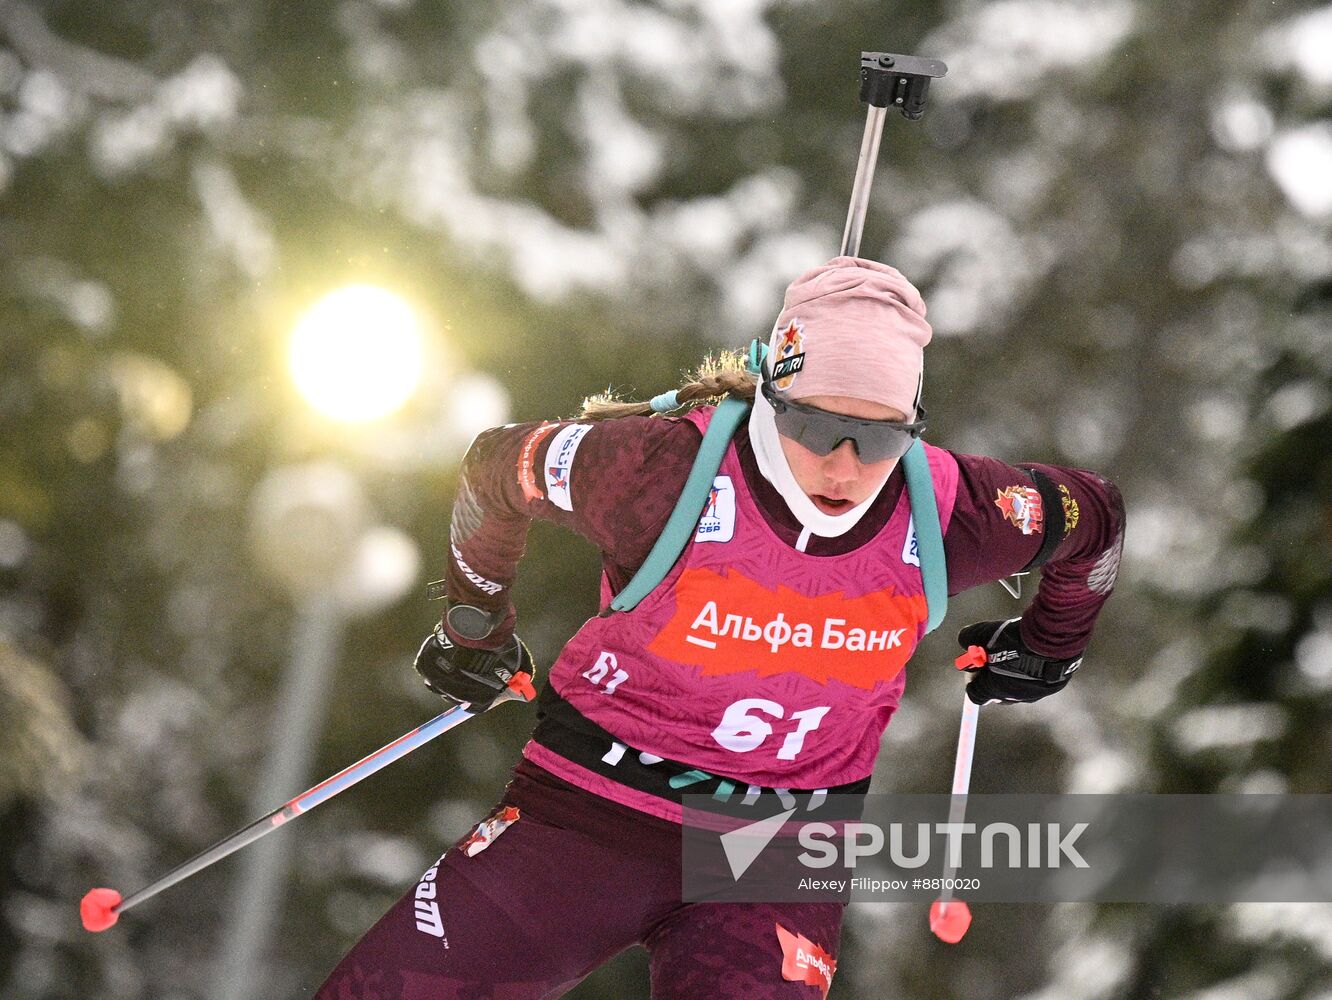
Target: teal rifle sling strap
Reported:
point(929, 536)
point(726, 420)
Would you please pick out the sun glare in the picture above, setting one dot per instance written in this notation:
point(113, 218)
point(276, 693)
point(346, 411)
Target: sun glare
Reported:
point(356, 354)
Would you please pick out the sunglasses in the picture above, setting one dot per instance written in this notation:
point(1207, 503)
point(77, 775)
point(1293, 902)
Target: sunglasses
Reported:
point(821, 431)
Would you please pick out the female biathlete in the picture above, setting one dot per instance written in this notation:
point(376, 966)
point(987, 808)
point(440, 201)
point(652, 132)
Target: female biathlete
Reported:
point(808, 523)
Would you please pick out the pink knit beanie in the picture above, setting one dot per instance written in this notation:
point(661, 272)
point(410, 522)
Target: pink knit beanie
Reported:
point(852, 327)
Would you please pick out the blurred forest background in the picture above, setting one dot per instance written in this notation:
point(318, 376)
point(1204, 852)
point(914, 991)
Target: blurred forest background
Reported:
point(1119, 212)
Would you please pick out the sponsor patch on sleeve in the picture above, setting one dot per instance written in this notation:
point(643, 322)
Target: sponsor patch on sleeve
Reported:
point(559, 464)
point(527, 461)
point(1021, 507)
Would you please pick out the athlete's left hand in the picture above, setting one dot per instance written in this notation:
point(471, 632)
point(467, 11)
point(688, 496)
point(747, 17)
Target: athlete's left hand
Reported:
point(1012, 671)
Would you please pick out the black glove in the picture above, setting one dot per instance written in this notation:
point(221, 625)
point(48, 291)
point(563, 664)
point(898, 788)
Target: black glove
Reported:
point(1011, 671)
point(480, 677)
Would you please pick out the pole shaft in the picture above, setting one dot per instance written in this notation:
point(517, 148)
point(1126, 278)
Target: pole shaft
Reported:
point(304, 802)
point(199, 862)
point(966, 745)
point(860, 190)
point(957, 809)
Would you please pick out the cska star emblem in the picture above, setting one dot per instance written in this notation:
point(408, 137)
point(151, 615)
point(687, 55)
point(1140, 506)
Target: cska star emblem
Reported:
point(790, 354)
point(1021, 507)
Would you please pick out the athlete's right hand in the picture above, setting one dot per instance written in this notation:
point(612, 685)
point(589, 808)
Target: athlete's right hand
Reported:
point(480, 678)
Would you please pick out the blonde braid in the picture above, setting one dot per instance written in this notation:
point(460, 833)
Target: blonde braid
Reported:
point(718, 376)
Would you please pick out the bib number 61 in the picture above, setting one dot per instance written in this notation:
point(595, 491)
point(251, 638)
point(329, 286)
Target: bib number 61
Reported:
point(596, 674)
point(743, 726)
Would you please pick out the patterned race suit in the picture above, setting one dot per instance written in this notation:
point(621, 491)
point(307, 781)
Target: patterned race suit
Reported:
point(767, 658)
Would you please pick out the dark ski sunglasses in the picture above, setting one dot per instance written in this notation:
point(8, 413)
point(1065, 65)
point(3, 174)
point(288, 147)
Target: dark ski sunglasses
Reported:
point(821, 431)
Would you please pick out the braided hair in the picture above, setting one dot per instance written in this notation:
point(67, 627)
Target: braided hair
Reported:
point(718, 376)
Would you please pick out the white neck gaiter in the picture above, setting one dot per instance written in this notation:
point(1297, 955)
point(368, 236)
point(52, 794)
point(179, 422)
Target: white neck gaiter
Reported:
point(772, 464)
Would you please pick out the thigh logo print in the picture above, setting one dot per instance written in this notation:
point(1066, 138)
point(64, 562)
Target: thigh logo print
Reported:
point(488, 829)
point(428, 920)
point(805, 962)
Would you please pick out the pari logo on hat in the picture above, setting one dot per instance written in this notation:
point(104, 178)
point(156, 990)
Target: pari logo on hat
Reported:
point(788, 354)
point(854, 328)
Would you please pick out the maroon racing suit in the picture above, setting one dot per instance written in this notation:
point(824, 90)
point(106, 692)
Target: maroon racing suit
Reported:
point(580, 864)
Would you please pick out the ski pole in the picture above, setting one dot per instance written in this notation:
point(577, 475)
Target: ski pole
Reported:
point(886, 80)
point(949, 917)
point(101, 908)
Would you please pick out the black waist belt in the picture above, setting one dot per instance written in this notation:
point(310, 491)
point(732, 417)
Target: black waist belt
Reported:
point(564, 730)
